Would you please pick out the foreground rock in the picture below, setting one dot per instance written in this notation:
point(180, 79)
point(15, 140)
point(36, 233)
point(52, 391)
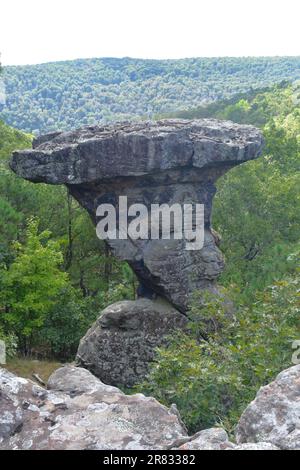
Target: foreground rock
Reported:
point(217, 439)
point(257, 446)
point(170, 161)
point(274, 415)
point(79, 412)
point(209, 439)
point(120, 345)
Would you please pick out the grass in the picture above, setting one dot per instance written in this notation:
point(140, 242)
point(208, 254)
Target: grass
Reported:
point(27, 367)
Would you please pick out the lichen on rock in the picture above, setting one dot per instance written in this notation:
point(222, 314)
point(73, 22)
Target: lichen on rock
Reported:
point(79, 412)
point(121, 344)
point(274, 415)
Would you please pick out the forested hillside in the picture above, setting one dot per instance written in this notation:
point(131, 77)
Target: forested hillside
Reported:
point(65, 95)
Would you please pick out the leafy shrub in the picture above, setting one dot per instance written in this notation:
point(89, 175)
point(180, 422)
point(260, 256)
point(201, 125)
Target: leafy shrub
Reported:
point(215, 369)
point(65, 324)
point(33, 281)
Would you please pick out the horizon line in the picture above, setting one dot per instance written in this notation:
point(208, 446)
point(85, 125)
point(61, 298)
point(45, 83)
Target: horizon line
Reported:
point(151, 59)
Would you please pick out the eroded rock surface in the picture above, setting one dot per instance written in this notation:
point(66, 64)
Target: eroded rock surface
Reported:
point(79, 412)
point(99, 153)
point(257, 446)
point(170, 161)
point(208, 439)
point(274, 415)
point(120, 345)
point(217, 439)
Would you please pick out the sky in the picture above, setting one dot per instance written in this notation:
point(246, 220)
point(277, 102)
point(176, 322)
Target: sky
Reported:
point(38, 31)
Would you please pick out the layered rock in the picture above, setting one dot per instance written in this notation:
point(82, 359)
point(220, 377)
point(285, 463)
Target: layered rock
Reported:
point(274, 415)
point(121, 344)
point(170, 161)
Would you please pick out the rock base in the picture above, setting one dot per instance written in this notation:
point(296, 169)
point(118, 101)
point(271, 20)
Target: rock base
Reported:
point(120, 346)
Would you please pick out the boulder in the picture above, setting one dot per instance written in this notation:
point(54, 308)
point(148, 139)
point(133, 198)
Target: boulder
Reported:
point(78, 412)
point(168, 161)
point(208, 439)
point(257, 446)
point(274, 415)
point(121, 344)
point(217, 439)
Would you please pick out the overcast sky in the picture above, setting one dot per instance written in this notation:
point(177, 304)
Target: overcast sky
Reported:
point(36, 31)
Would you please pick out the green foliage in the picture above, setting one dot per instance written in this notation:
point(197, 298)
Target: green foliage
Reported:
point(256, 209)
point(65, 95)
point(257, 212)
point(215, 369)
point(213, 373)
point(255, 107)
point(95, 279)
point(32, 283)
point(65, 324)
point(10, 140)
point(11, 343)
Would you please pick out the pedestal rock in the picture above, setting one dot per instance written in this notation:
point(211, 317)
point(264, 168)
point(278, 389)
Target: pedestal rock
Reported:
point(169, 161)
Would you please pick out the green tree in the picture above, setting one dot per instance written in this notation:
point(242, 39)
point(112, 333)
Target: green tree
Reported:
point(32, 283)
point(257, 209)
point(65, 95)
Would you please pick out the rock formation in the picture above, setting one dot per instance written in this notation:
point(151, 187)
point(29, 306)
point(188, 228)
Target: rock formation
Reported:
point(79, 412)
point(170, 161)
point(274, 415)
point(217, 439)
point(120, 345)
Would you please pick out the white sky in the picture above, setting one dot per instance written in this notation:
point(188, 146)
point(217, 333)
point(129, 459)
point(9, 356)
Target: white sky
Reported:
point(36, 31)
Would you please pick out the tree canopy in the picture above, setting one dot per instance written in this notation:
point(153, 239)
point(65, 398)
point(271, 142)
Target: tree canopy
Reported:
point(66, 95)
